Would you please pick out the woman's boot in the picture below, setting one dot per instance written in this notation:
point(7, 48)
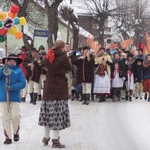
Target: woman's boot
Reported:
point(57, 144)
point(45, 141)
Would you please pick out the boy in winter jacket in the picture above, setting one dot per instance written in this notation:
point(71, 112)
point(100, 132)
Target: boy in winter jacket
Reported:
point(10, 111)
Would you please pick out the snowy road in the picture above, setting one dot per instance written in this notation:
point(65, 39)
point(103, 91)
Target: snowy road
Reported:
point(99, 126)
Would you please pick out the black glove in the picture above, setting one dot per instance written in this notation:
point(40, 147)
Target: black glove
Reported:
point(7, 88)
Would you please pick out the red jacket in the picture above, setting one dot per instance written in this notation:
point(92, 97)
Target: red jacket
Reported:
point(23, 56)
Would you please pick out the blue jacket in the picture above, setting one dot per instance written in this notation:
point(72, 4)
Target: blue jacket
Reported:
point(16, 83)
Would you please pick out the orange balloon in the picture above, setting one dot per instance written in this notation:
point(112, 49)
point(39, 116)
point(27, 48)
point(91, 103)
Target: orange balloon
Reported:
point(11, 15)
point(18, 35)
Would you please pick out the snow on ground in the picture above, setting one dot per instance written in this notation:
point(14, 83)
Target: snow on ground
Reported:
point(98, 126)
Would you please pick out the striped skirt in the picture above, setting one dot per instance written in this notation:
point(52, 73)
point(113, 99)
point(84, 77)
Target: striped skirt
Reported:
point(55, 114)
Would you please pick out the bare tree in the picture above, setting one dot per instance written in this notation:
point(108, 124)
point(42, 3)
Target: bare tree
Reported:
point(100, 10)
point(51, 7)
point(132, 19)
point(67, 14)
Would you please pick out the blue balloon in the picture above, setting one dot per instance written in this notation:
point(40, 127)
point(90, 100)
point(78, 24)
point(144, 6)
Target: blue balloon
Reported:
point(16, 21)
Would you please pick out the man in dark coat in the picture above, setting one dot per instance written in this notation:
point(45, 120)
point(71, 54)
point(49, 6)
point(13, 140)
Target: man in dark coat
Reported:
point(85, 74)
point(33, 64)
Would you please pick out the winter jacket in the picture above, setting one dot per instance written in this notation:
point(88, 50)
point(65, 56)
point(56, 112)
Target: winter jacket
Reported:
point(56, 85)
point(35, 72)
point(137, 70)
point(146, 71)
point(23, 56)
point(85, 70)
point(16, 83)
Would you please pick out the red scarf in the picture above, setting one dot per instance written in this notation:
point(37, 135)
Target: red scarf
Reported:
point(50, 55)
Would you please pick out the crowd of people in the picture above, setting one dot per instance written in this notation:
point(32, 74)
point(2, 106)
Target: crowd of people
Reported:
point(61, 74)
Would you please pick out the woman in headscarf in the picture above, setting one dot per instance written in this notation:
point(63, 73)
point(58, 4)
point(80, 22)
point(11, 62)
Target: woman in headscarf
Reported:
point(54, 112)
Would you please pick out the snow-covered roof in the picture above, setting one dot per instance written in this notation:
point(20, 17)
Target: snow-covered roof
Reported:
point(82, 31)
point(79, 6)
point(85, 33)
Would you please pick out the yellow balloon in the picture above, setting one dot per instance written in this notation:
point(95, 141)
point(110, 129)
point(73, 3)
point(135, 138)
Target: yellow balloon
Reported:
point(3, 15)
point(22, 21)
point(13, 30)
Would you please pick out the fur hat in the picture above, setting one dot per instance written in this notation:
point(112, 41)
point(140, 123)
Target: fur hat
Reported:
point(14, 57)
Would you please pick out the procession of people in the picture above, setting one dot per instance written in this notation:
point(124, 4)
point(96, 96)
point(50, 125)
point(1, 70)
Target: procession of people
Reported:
point(60, 74)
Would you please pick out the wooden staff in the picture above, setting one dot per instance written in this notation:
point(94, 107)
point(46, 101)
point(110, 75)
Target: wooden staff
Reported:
point(7, 77)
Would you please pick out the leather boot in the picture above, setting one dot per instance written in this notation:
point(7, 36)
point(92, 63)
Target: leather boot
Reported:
point(145, 96)
point(87, 99)
point(31, 97)
point(7, 141)
point(57, 144)
point(84, 98)
point(45, 141)
point(34, 98)
point(130, 98)
point(39, 97)
point(126, 97)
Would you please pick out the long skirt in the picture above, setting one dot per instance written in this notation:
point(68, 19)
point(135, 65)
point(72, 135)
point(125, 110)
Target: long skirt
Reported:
point(101, 84)
point(130, 82)
point(146, 85)
point(54, 114)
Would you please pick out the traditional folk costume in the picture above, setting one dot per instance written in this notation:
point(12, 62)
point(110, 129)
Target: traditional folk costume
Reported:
point(138, 77)
point(130, 78)
point(23, 55)
point(118, 76)
point(146, 76)
point(33, 74)
point(85, 74)
point(102, 75)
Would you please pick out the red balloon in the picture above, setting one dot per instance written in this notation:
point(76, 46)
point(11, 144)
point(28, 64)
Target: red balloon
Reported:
point(3, 31)
point(14, 9)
